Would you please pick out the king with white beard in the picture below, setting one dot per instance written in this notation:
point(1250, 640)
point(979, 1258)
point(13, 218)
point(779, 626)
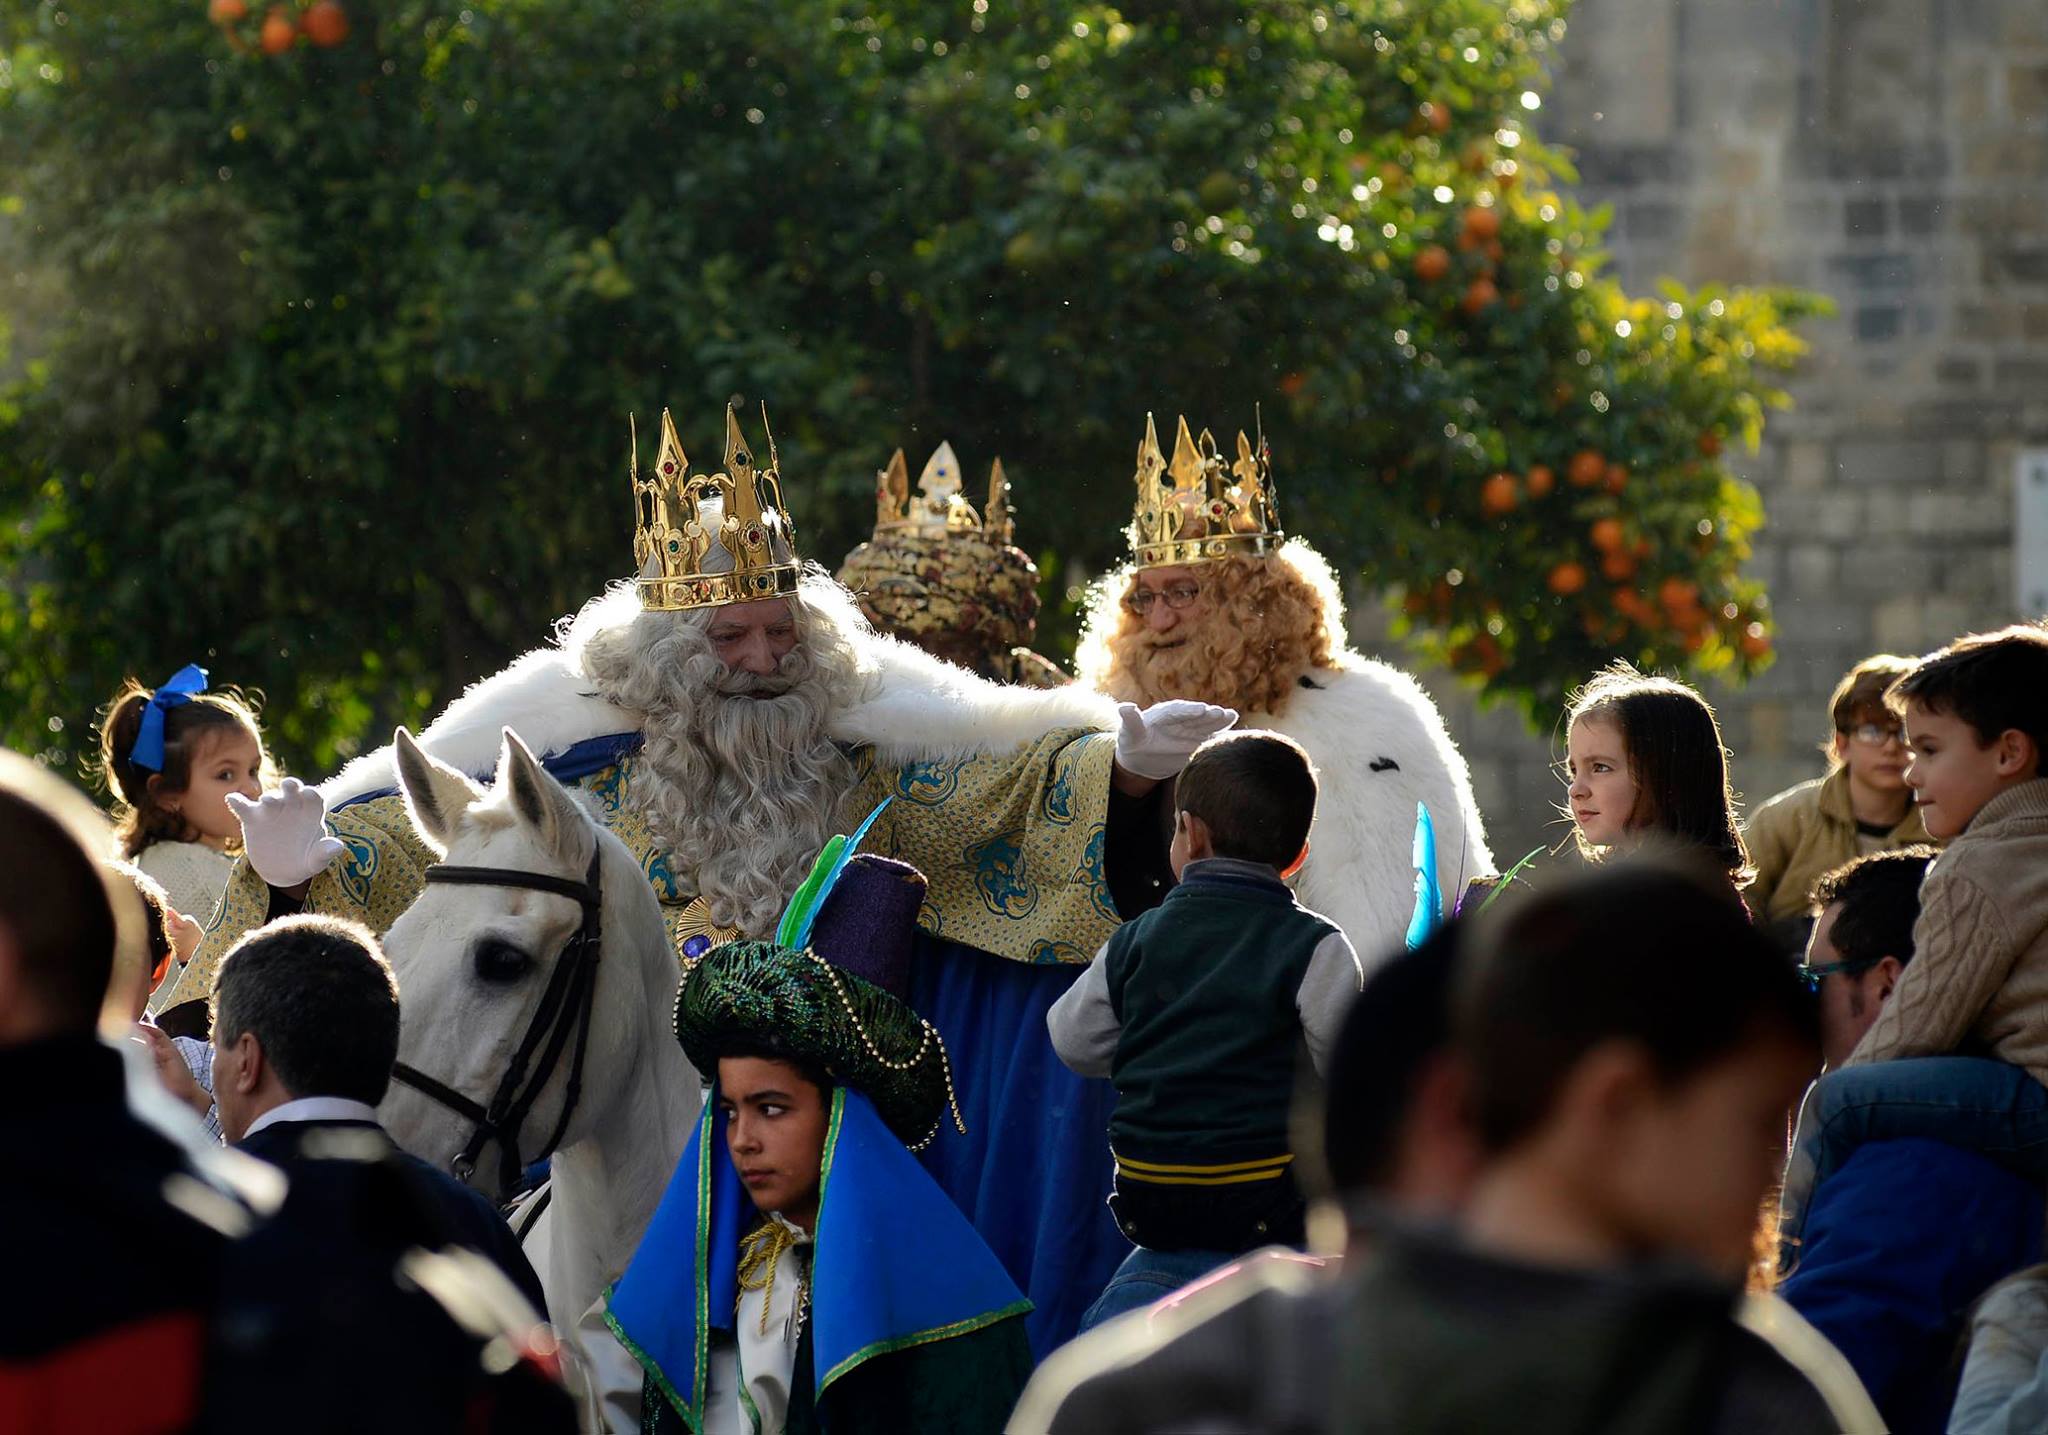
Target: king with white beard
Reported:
point(724, 715)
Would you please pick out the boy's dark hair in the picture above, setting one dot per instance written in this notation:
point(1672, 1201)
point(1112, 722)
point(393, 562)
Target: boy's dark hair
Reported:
point(767, 1047)
point(1256, 792)
point(1880, 897)
point(65, 916)
point(1400, 1020)
point(1638, 950)
point(189, 730)
point(1675, 756)
point(1859, 696)
point(1995, 682)
point(320, 997)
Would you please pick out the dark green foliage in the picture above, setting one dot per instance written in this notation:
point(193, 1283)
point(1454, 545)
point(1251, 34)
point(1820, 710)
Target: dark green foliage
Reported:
point(323, 359)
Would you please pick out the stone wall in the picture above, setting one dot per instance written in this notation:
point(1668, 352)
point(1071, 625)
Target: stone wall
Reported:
point(1892, 154)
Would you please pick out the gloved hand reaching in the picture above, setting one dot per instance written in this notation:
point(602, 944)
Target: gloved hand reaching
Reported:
point(285, 834)
point(1156, 742)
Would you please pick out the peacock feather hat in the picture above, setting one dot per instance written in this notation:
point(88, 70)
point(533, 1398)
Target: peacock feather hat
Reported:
point(788, 996)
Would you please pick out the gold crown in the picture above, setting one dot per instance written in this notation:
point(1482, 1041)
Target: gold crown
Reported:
point(702, 539)
point(940, 510)
point(1195, 509)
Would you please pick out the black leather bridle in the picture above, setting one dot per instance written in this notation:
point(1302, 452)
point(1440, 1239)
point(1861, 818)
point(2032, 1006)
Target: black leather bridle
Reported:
point(564, 1011)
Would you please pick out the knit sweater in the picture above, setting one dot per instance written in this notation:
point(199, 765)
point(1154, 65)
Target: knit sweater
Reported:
point(192, 875)
point(1979, 974)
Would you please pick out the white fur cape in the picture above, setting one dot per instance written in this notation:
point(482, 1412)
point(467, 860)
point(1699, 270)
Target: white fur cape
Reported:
point(1380, 747)
point(910, 707)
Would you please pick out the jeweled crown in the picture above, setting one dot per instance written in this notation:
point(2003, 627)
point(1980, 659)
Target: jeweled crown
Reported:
point(702, 539)
point(940, 509)
point(1195, 508)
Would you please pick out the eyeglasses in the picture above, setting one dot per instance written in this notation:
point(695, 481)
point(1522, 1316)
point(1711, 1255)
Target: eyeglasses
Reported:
point(1877, 734)
point(1811, 974)
point(1140, 600)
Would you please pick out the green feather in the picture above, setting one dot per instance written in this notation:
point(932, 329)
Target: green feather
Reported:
point(796, 917)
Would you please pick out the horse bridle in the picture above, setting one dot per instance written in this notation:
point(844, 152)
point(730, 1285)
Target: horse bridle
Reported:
point(564, 1011)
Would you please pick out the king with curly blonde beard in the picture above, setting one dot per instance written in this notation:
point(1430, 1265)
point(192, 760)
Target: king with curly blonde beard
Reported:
point(1219, 606)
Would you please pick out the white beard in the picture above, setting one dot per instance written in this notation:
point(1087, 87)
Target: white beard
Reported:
point(738, 777)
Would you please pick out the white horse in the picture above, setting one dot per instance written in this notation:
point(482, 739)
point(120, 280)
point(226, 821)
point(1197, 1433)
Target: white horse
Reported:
point(491, 962)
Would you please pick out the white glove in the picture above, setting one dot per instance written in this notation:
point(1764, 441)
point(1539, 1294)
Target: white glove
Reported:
point(1156, 742)
point(285, 833)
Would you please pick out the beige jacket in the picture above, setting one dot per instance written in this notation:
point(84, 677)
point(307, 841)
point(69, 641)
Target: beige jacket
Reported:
point(1979, 973)
point(1801, 834)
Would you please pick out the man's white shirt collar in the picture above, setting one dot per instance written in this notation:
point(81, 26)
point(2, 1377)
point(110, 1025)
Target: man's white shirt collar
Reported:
point(314, 1108)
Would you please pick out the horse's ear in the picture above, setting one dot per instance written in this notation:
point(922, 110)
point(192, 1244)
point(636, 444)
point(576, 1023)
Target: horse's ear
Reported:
point(435, 794)
point(539, 800)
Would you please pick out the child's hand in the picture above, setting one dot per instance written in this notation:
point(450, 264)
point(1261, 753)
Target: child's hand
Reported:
point(1156, 742)
point(185, 934)
point(285, 833)
point(172, 1071)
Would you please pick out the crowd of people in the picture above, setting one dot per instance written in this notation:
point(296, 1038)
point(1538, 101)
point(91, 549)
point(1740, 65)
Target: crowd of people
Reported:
point(819, 1011)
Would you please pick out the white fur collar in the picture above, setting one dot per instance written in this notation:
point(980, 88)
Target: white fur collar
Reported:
point(912, 706)
point(1380, 747)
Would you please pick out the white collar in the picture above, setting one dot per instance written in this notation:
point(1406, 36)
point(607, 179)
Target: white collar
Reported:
point(314, 1108)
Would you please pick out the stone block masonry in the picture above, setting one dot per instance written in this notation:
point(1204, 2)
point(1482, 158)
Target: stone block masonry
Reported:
point(1893, 154)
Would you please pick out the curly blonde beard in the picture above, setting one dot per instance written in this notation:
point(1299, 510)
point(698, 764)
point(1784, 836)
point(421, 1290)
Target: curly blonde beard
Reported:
point(1269, 622)
point(738, 779)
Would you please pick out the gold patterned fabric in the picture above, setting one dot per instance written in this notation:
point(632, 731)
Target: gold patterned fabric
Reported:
point(1012, 846)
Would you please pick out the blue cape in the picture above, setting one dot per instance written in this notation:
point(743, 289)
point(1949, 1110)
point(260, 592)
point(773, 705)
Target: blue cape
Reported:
point(894, 1263)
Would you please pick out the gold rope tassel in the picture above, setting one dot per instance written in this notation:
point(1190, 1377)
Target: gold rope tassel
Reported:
point(761, 1251)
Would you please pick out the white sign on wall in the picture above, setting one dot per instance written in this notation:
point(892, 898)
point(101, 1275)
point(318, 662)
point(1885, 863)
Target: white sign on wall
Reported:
point(2030, 541)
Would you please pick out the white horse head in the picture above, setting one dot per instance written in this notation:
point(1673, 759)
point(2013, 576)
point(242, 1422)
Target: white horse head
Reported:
point(475, 959)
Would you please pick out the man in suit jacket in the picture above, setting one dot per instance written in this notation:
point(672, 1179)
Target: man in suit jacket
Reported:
point(305, 1031)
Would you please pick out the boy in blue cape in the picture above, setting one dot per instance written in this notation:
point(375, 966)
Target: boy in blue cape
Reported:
point(803, 1272)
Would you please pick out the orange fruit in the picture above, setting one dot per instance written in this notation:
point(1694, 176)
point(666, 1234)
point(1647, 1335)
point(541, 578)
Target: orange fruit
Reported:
point(227, 12)
point(1432, 263)
point(1693, 640)
point(1678, 595)
point(1438, 114)
point(325, 24)
point(1587, 469)
point(1617, 567)
point(1541, 481)
point(1481, 223)
point(1567, 578)
point(278, 32)
point(1710, 442)
point(1607, 534)
point(1292, 384)
point(1498, 495)
point(1617, 478)
point(1756, 644)
point(1479, 296)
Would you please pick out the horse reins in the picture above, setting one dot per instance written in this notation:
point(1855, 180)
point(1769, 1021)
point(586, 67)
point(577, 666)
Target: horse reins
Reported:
point(564, 1010)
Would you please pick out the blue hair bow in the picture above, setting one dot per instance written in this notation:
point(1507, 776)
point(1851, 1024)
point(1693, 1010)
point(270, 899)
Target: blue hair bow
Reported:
point(148, 752)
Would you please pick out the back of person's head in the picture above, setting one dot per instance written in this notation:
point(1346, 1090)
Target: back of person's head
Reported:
point(1256, 793)
point(147, 794)
point(1860, 698)
point(319, 997)
point(156, 920)
point(70, 932)
point(1381, 1134)
point(1996, 682)
point(1639, 951)
point(1879, 894)
point(1676, 757)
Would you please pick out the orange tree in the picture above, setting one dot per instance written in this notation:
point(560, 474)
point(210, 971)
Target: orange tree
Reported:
point(326, 318)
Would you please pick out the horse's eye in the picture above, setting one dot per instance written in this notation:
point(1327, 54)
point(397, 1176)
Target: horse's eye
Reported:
point(498, 961)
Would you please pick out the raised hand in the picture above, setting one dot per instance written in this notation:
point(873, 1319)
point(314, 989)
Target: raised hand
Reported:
point(285, 833)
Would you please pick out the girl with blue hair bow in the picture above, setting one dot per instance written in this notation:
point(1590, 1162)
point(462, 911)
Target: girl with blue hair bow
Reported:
point(171, 759)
